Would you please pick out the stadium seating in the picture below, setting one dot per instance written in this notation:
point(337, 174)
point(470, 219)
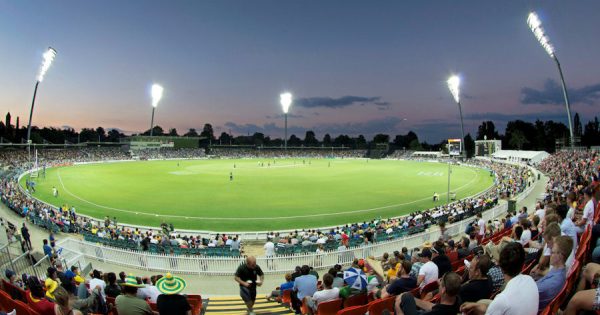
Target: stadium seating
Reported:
point(354, 310)
point(329, 307)
point(378, 306)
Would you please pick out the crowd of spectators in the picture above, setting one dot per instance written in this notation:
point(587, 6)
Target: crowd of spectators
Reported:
point(509, 180)
point(273, 153)
point(66, 291)
point(515, 265)
point(169, 153)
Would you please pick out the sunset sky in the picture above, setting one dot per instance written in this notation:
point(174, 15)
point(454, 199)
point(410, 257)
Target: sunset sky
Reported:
point(354, 67)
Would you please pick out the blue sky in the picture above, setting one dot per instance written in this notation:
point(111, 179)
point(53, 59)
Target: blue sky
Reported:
point(354, 67)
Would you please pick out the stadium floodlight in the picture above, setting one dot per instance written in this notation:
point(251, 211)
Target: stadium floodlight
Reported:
point(536, 27)
point(286, 101)
point(49, 56)
point(454, 87)
point(157, 92)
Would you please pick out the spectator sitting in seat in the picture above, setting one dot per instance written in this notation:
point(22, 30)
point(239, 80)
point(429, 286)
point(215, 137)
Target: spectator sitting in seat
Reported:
point(429, 271)
point(588, 300)
point(327, 294)
point(287, 285)
point(440, 259)
point(463, 248)
point(170, 301)
point(128, 303)
point(403, 282)
point(550, 285)
point(479, 285)
point(449, 302)
point(305, 285)
point(520, 296)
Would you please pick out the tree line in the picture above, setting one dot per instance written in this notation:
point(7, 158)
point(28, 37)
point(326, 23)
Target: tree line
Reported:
point(518, 135)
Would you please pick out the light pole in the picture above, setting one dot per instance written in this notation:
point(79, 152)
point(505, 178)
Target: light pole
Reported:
point(49, 56)
point(157, 92)
point(454, 87)
point(536, 27)
point(286, 101)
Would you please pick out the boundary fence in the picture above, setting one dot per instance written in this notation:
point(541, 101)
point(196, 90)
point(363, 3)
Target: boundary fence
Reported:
point(79, 250)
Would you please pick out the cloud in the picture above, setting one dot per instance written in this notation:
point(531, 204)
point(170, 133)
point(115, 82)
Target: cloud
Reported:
point(344, 101)
point(552, 94)
point(500, 117)
point(369, 128)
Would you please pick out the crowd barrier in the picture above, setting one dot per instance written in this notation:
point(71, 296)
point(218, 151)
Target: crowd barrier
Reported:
point(271, 265)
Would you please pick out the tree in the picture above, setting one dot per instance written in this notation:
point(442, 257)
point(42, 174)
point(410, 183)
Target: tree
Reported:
point(156, 131)
point(101, 134)
point(294, 141)
point(591, 134)
point(258, 138)
point(207, 132)
point(469, 145)
point(415, 145)
point(173, 132)
point(225, 138)
point(327, 140)
point(518, 139)
point(487, 130)
point(577, 128)
point(310, 140)
point(191, 133)
point(114, 135)
point(381, 138)
point(361, 142)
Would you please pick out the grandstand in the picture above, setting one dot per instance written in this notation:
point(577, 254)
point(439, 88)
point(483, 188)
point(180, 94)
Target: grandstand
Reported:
point(221, 261)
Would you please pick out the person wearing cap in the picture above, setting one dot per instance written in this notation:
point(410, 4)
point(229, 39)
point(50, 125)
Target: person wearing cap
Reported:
point(170, 302)
point(128, 303)
point(248, 276)
point(429, 271)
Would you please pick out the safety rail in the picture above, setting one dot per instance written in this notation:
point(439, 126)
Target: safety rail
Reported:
point(276, 264)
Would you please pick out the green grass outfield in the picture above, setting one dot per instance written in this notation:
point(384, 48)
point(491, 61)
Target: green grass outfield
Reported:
point(288, 194)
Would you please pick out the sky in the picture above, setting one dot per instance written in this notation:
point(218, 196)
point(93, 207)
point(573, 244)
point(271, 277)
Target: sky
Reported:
point(354, 67)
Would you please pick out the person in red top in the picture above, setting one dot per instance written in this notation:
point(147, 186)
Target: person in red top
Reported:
point(36, 297)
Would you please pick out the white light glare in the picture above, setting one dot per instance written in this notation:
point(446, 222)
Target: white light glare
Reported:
point(48, 58)
point(536, 27)
point(157, 92)
point(286, 101)
point(454, 87)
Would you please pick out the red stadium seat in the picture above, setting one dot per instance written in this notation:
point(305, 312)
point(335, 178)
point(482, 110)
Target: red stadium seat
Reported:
point(329, 307)
point(429, 288)
point(286, 298)
point(354, 300)
point(22, 308)
point(378, 306)
point(353, 310)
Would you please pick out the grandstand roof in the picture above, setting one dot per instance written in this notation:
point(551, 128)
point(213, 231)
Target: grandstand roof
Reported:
point(534, 156)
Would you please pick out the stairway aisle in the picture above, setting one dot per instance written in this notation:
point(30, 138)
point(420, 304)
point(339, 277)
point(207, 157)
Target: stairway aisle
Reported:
point(234, 305)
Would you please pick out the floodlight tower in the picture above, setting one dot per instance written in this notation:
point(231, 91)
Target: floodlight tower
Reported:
point(49, 56)
point(536, 27)
point(157, 92)
point(286, 101)
point(454, 87)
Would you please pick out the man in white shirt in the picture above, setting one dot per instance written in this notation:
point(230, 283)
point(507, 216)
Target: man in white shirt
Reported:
point(269, 248)
point(429, 271)
point(327, 294)
point(481, 225)
point(97, 281)
point(588, 211)
point(519, 297)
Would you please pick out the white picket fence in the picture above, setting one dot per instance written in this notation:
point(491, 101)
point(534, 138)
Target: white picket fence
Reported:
point(277, 264)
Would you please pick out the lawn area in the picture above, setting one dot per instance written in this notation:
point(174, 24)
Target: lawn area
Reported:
point(261, 195)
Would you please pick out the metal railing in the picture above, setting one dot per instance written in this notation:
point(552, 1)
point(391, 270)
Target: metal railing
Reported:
point(276, 264)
